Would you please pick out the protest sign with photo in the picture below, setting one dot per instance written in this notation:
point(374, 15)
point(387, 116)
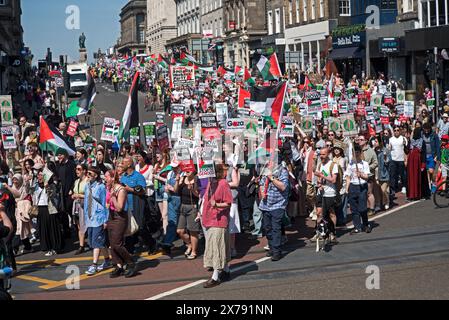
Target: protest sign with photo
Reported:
point(107, 133)
point(205, 164)
point(8, 139)
point(182, 76)
point(73, 126)
point(6, 110)
point(186, 164)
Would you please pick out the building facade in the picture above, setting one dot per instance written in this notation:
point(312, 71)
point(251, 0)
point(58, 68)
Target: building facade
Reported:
point(212, 25)
point(161, 17)
point(189, 34)
point(244, 29)
point(12, 62)
point(309, 24)
point(133, 21)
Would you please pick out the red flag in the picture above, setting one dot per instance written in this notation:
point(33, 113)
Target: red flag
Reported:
point(275, 70)
point(243, 94)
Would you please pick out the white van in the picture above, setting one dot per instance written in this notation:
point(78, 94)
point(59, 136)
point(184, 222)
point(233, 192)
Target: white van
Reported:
point(78, 78)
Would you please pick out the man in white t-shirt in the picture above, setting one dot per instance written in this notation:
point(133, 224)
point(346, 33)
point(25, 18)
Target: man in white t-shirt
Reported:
point(396, 144)
point(326, 174)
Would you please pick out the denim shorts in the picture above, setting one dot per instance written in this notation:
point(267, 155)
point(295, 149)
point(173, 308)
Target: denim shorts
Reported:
point(430, 162)
point(97, 237)
point(161, 195)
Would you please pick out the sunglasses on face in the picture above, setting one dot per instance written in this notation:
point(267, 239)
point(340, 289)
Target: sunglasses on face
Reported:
point(91, 174)
point(79, 169)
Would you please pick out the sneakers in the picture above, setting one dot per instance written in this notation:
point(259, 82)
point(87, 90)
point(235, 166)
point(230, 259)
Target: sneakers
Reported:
point(92, 270)
point(404, 190)
point(266, 248)
point(50, 253)
point(355, 231)
point(387, 207)
point(25, 251)
point(104, 266)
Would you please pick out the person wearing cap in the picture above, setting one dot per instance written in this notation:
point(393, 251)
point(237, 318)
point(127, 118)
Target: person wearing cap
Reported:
point(95, 217)
point(174, 204)
point(443, 125)
point(66, 171)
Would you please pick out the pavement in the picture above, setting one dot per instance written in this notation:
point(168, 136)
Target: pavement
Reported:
point(408, 250)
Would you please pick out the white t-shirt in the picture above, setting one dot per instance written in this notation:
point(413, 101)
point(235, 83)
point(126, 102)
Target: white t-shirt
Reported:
point(351, 172)
point(329, 189)
point(397, 148)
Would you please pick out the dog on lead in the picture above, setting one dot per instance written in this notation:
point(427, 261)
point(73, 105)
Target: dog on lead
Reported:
point(323, 235)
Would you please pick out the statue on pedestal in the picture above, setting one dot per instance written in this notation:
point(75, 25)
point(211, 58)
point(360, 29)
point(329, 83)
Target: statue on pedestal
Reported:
point(82, 41)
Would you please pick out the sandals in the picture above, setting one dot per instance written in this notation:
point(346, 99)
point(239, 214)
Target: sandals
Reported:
point(188, 252)
point(191, 257)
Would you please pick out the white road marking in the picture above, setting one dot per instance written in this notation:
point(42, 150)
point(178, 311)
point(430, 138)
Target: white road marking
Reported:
point(194, 284)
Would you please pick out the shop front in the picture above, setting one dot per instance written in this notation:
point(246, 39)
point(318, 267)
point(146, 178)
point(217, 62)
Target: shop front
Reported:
point(348, 51)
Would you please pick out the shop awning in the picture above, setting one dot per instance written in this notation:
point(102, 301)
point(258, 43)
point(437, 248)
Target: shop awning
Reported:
point(345, 53)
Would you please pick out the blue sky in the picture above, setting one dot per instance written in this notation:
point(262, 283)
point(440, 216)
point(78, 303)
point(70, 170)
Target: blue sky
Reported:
point(44, 24)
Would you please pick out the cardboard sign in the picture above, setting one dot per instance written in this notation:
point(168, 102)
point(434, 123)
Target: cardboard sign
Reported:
point(149, 129)
point(286, 130)
point(162, 137)
point(6, 110)
point(186, 162)
point(205, 164)
point(409, 109)
point(73, 126)
point(177, 128)
point(348, 125)
point(235, 125)
point(107, 133)
point(209, 126)
point(182, 76)
point(8, 139)
point(221, 110)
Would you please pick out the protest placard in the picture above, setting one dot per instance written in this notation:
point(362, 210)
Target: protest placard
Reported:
point(409, 109)
point(209, 126)
point(222, 113)
point(400, 96)
point(334, 124)
point(160, 118)
point(177, 110)
point(348, 125)
point(176, 128)
point(6, 110)
point(134, 135)
point(162, 137)
point(286, 130)
point(307, 124)
point(149, 129)
point(8, 139)
point(235, 125)
point(182, 76)
point(376, 100)
point(107, 133)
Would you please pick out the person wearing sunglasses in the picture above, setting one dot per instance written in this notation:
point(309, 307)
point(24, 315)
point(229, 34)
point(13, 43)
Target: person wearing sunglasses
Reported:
point(77, 194)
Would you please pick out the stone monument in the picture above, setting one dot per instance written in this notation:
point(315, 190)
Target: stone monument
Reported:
point(83, 51)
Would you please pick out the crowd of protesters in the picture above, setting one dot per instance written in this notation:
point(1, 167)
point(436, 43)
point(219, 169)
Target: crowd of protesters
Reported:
point(138, 198)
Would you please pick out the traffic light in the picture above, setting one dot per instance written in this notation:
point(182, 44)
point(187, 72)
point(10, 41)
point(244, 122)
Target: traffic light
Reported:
point(61, 60)
point(66, 81)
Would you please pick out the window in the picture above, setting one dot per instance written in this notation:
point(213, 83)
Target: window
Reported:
point(344, 7)
point(2, 2)
point(278, 20)
point(290, 12)
point(321, 8)
point(304, 4)
point(297, 11)
point(407, 6)
point(313, 9)
point(270, 22)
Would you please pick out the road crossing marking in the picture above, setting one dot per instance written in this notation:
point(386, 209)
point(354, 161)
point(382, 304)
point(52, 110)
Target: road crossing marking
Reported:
point(37, 279)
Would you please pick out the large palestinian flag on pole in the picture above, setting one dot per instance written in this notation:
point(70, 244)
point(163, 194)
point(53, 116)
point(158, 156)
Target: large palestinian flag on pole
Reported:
point(269, 101)
point(269, 67)
point(131, 116)
point(51, 140)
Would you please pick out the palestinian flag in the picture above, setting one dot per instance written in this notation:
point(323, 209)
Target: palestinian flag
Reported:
point(83, 105)
point(161, 62)
point(243, 94)
point(307, 85)
point(131, 116)
point(51, 140)
point(248, 79)
point(239, 71)
point(269, 68)
point(187, 59)
point(269, 101)
point(225, 73)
